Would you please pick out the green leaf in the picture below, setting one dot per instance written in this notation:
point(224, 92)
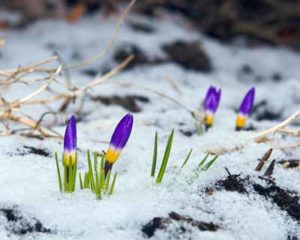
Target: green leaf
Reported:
point(70, 176)
point(102, 161)
point(91, 175)
point(210, 163)
point(74, 175)
point(203, 160)
point(58, 173)
point(80, 181)
point(154, 160)
point(65, 176)
point(97, 184)
point(199, 129)
point(102, 179)
point(107, 182)
point(95, 161)
point(165, 158)
point(113, 184)
point(86, 180)
point(187, 158)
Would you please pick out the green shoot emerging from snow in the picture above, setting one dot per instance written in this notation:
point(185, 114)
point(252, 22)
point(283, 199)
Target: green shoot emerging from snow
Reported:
point(199, 129)
point(154, 160)
point(66, 180)
point(203, 166)
point(165, 159)
point(94, 178)
point(187, 158)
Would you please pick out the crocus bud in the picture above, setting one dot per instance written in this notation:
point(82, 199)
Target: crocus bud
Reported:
point(70, 142)
point(211, 104)
point(118, 141)
point(245, 109)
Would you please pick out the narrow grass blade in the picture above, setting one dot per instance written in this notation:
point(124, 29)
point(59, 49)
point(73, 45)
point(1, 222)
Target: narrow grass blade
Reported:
point(210, 163)
point(91, 175)
point(187, 158)
point(86, 180)
point(95, 161)
point(165, 158)
point(102, 179)
point(65, 176)
point(203, 161)
point(107, 182)
point(102, 161)
point(80, 181)
point(97, 184)
point(113, 184)
point(74, 175)
point(154, 160)
point(58, 173)
point(70, 176)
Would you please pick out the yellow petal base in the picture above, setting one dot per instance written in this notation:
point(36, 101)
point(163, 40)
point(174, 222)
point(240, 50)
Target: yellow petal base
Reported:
point(112, 155)
point(68, 157)
point(208, 120)
point(240, 121)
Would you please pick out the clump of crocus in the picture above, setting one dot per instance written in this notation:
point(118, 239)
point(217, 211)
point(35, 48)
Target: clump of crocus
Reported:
point(211, 104)
point(70, 142)
point(69, 158)
point(245, 109)
point(95, 178)
point(118, 141)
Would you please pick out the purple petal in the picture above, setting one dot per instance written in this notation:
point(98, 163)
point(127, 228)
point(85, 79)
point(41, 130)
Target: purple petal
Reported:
point(70, 141)
point(248, 101)
point(212, 99)
point(122, 132)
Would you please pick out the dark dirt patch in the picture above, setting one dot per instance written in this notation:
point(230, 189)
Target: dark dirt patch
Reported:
point(188, 55)
point(230, 20)
point(37, 151)
point(261, 111)
point(142, 27)
point(290, 163)
point(246, 69)
point(277, 77)
point(202, 226)
point(155, 224)
point(159, 223)
point(290, 237)
point(20, 225)
point(31, 150)
point(90, 72)
point(233, 183)
point(267, 115)
point(187, 133)
point(140, 57)
point(129, 102)
point(285, 199)
point(249, 128)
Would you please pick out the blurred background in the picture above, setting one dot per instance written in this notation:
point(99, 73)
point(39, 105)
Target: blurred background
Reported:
point(275, 22)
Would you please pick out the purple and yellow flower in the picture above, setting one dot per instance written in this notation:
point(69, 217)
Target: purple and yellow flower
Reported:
point(70, 142)
point(118, 141)
point(245, 109)
point(211, 104)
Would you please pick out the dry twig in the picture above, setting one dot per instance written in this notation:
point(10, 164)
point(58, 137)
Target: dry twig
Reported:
point(8, 109)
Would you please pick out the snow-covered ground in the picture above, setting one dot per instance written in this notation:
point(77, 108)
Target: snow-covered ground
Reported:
point(28, 182)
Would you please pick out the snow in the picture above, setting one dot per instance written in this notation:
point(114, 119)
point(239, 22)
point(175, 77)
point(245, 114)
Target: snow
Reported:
point(29, 181)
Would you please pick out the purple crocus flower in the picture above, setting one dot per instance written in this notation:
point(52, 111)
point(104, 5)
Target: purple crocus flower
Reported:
point(211, 104)
point(70, 141)
point(118, 141)
point(245, 109)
